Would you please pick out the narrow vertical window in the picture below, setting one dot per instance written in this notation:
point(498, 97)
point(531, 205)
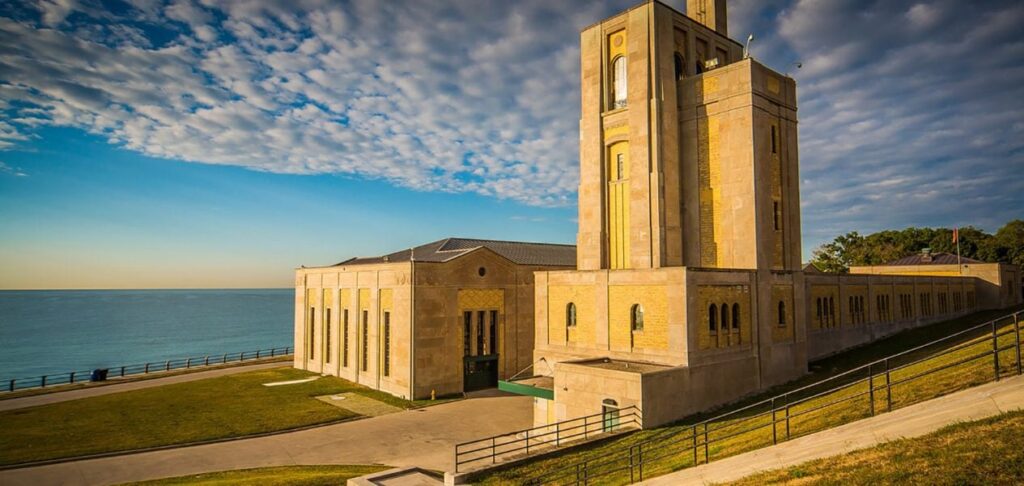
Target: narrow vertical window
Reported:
point(327, 335)
point(775, 140)
point(619, 82)
point(680, 66)
point(725, 318)
point(387, 344)
point(366, 340)
point(776, 216)
point(467, 333)
point(481, 315)
point(735, 317)
point(494, 332)
point(831, 311)
point(782, 314)
point(818, 302)
point(620, 166)
point(344, 338)
point(713, 319)
point(570, 315)
point(312, 330)
point(636, 317)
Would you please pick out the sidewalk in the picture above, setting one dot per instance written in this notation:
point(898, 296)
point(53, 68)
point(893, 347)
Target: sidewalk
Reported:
point(94, 391)
point(913, 421)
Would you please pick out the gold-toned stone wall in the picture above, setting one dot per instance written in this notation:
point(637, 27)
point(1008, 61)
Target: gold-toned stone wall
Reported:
point(784, 331)
point(654, 299)
point(718, 295)
point(559, 297)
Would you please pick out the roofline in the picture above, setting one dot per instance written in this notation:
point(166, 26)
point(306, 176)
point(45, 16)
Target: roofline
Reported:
point(663, 4)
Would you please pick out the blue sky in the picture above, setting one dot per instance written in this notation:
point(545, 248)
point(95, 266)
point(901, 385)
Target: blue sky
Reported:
point(220, 144)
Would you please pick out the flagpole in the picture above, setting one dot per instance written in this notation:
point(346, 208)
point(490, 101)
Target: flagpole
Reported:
point(956, 236)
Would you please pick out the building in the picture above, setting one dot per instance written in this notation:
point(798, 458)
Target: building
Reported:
point(689, 291)
point(449, 316)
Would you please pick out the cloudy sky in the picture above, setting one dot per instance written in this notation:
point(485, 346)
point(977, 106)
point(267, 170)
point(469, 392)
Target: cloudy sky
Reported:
point(204, 143)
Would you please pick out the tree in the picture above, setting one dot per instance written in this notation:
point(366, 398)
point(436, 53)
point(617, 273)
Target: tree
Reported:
point(1006, 246)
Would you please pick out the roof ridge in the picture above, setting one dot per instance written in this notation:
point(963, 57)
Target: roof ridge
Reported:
point(511, 241)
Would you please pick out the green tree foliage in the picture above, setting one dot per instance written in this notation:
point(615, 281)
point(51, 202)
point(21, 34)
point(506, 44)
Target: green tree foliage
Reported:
point(1006, 246)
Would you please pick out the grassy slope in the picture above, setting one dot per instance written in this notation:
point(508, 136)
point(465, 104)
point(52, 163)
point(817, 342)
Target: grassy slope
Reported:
point(989, 451)
point(675, 444)
point(213, 408)
point(272, 476)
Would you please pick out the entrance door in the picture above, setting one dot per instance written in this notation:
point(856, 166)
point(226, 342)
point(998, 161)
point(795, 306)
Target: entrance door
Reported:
point(609, 415)
point(480, 350)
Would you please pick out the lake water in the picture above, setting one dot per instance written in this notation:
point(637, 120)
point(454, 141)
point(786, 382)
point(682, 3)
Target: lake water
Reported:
point(55, 331)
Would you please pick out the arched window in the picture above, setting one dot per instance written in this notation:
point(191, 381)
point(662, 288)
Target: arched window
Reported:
point(782, 314)
point(725, 317)
point(680, 66)
point(619, 82)
point(736, 316)
point(570, 315)
point(636, 317)
point(713, 319)
point(699, 67)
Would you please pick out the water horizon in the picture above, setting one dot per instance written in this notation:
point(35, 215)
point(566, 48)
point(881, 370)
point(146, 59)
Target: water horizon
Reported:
point(51, 331)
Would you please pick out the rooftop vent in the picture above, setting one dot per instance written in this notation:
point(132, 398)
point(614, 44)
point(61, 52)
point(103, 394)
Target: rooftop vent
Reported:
point(926, 255)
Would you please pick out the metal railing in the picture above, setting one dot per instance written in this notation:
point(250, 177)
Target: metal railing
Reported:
point(545, 438)
point(808, 409)
point(141, 369)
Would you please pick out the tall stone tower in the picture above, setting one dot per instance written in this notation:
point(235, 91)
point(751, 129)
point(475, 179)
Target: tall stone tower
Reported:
point(688, 152)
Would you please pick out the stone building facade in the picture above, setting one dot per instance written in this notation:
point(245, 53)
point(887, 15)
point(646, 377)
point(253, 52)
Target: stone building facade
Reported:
point(443, 318)
point(688, 291)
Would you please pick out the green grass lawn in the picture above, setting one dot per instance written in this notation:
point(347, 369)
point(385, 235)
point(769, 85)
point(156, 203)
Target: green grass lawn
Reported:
point(272, 476)
point(213, 408)
point(674, 445)
point(989, 451)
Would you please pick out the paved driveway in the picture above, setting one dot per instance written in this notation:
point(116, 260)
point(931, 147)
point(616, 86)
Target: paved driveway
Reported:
point(423, 437)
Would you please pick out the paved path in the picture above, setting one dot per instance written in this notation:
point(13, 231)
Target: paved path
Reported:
point(422, 437)
point(913, 421)
point(93, 391)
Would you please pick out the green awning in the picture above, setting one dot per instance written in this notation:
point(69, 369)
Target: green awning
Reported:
point(523, 389)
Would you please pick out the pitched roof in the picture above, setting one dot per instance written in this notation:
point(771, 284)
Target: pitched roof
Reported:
point(518, 252)
point(940, 258)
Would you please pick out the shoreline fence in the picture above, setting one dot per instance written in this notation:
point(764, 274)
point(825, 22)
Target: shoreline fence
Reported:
point(162, 366)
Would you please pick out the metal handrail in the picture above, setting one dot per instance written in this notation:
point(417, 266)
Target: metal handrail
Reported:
point(121, 371)
point(633, 458)
point(522, 440)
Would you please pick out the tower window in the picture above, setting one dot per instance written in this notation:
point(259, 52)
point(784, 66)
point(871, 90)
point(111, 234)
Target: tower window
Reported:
point(782, 314)
point(636, 317)
point(680, 66)
point(776, 216)
point(570, 315)
point(619, 82)
point(775, 140)
point(736, 317)
point(725, 318)
point(713, 319)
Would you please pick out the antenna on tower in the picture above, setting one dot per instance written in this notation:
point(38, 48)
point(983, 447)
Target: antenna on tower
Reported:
point(746, 48)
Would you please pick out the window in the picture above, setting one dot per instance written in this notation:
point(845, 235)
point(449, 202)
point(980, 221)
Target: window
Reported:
point(619, 82)
point(713, 319)
point(312, 330)
point(481, 315)
point(735, 317)
point(387, 344)
point(620, 166)
point(481, 271)
point(570, 315)
point(636, 317)
point(853, 310)
point(467, 334)
point(831, 311)
point(680, 66)
point(818, 302)
point(725, 317)
point(776, 216)
point(782, 314)
point(327, 335)
point(775, 140)
point(344, 337)
point(366, 340)
point(494, 332)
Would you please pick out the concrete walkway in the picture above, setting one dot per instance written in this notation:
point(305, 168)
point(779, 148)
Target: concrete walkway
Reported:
point(913, 421)
point(423, 437)
point(94, 391)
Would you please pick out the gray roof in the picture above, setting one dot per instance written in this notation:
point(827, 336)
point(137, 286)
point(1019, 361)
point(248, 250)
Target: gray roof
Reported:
point(940, 258)
point(518, 252)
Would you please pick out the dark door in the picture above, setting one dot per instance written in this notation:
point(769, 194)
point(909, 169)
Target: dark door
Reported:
point(480, 372)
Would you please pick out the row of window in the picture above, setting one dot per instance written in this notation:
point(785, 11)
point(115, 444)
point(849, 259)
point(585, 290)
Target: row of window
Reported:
point(482, 324)
point(858, 314)
point(364, 363)
point(826, 312)
point(884, 309)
